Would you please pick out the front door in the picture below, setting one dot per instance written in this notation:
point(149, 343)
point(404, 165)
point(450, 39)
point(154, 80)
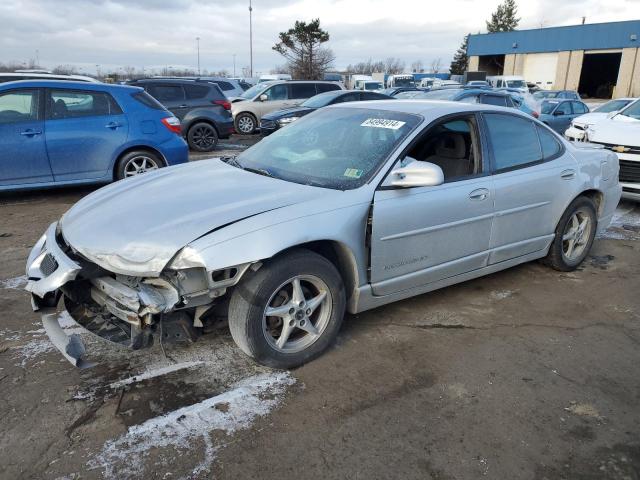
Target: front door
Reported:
point(562, 116)
point(530, 175)
point(84, 129)
point(424, 234)
point(277, 99)
point(23, 155)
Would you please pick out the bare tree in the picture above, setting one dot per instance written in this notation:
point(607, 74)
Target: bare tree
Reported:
point(417, 66)
point(65, 70)
point(393, 66)
point(280, 69)
point(436, 65)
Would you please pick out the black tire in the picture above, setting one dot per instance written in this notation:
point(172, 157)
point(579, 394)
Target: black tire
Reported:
point(126, 161)
point(202, 137)
point(246, 123)
point(557, 258)
point(250, 298)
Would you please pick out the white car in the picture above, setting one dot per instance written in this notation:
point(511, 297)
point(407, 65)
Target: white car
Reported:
point(621, 134)
point(579, 125)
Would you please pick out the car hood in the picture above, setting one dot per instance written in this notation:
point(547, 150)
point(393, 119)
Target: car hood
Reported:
point(136, 226)
point(589, 118)
point(288, 112)
point(616, 132)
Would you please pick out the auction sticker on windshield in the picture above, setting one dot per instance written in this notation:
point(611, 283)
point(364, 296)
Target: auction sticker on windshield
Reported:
point(382, 123)
point(352, 173)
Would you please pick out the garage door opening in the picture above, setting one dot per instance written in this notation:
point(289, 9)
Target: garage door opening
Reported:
point(599, 74)
point(492, 64)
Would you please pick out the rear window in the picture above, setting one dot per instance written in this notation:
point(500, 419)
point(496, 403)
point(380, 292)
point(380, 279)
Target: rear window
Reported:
point(79, 103)
point(226, 86)
point(494, 100)
point(147, 100)
point(194, 92)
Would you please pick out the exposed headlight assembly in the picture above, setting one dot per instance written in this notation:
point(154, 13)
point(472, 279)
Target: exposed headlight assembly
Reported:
point(287, 120)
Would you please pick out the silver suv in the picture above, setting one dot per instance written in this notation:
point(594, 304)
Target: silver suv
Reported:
point(271, 96)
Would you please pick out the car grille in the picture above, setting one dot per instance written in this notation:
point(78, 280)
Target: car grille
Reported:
point(612, 146)
point(48, 265)
point(629, 171)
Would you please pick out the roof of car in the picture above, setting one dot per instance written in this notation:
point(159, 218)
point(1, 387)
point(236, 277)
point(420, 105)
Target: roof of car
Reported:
point(64, 84)
point(427, 108)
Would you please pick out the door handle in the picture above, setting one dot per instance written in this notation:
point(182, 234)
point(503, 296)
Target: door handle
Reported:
point(113, 125)
point(568, 174)
point(479, 194)
point(183, 106)
point(29, 132)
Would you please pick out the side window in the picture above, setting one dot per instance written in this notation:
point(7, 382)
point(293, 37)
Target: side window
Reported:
point(563, 109)
point(453, 146)
point(579, 107)
point(494, 100)
point(514, 141)
point(372, 96)
point(195, 92)
point(302, 90)
point(226, 86)
point(167, 93)
point(550, 145)
point(77, 103)
point(327, 87)
point(277, 92)
point(18, 106)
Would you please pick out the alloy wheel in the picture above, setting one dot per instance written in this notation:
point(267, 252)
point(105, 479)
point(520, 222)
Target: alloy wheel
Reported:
point(138, 165)
point(204, 137)
point(297, 313)
point(245, 124)
point(576, 235)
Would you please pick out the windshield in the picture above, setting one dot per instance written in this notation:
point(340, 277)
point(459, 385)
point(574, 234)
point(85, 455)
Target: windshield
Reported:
point(372, 85)
point(339, 148)
point(612, 106)
point(321, 100)
point(444, 94)
point(547, 107)
point(404, 82)
point(253, 91)
point(632, 111)
point(516, 84)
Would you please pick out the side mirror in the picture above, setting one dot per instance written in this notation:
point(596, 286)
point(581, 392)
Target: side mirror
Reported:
point(612, 114)
point(417, 174)
point(263, 97)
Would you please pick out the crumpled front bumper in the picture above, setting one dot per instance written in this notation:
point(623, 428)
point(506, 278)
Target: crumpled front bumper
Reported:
point(48, 269)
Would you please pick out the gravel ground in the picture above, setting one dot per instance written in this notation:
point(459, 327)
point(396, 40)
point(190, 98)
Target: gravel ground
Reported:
point(524, 374)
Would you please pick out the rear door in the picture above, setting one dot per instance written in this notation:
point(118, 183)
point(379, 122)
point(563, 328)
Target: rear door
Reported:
point(172, 96)
point(23, 154)
point(299, 92)
point(84, 129)
point(529, 176)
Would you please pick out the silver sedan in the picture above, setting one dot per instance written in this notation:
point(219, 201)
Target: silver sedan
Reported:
point(347, 209)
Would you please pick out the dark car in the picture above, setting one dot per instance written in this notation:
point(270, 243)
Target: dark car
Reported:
point(393, 91)
point(559, 94)
point(55, 133)
point(203, 110)
point(280, 118)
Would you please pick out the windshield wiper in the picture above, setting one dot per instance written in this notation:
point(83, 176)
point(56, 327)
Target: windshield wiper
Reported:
point(259, 171)
point(231, 160)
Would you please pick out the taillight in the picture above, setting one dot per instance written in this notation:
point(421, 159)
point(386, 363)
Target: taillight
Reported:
point(173, 124)
point(226, 104)
point(535, 114)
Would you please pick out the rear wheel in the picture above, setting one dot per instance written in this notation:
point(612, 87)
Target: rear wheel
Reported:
point(202, 137)
point(138, 162)
point(574, 236)
point(289, 311)
point(246, 123)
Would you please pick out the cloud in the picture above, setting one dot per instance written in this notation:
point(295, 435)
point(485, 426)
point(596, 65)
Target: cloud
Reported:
point(162, 32)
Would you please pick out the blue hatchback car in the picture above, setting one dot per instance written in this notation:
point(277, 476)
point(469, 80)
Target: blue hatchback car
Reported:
point(61, 133)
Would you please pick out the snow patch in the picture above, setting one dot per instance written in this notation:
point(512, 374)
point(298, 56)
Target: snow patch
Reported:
point(501, 294)
point(151, 373)
point(625, 224)
point(228, 412)
point(14, 283)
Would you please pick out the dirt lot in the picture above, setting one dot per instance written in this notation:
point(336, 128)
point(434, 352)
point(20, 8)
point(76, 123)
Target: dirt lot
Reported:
point(525, 374)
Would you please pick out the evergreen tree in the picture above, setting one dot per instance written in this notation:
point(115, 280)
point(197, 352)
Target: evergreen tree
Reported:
point(460, 61)
point(301, 46)
point(504, 18)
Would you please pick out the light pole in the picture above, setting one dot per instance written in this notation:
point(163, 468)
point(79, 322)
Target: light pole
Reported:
point(234, 64)
point(250, 40)
point(198, 44)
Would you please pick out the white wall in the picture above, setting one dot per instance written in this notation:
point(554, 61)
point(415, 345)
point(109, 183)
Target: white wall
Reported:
point(540, 68)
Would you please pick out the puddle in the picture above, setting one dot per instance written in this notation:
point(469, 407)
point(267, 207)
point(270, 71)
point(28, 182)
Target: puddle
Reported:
point(14, 283)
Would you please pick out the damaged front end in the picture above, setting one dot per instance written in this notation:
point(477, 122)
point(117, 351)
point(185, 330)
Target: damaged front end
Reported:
point(127, 310)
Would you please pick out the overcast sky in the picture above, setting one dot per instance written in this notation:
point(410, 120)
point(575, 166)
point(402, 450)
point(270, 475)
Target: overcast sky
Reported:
point(156, 33)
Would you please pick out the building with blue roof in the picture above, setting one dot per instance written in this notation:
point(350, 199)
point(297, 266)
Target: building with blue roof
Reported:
point(600, 60)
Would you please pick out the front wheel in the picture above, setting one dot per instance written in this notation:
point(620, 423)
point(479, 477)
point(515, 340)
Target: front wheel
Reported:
point(575, 233)
point(289, 311)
